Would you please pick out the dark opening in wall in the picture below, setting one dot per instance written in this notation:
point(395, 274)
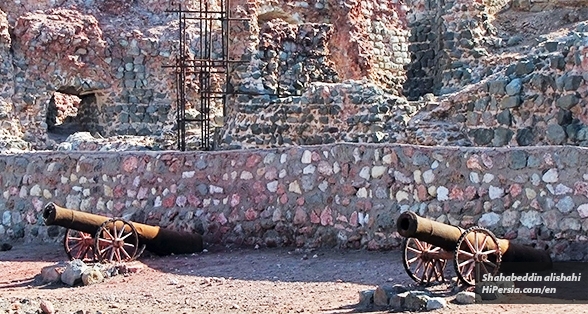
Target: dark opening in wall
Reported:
point(67, 112)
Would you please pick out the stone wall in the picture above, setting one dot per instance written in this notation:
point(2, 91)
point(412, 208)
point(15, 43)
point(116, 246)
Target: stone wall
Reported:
point(539, 100)
point(345, 195)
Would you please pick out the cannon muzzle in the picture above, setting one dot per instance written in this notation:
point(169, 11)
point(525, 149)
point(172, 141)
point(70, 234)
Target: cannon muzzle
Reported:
point(157, 240)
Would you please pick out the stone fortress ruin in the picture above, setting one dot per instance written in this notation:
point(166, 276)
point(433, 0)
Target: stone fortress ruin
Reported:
point(486, 87)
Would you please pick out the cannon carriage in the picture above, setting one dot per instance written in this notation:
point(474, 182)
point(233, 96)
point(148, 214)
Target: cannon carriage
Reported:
point(91, 237)
point(476, 251)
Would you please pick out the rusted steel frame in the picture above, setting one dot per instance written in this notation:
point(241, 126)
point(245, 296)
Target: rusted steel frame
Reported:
point(158, 240)
point(411, 225)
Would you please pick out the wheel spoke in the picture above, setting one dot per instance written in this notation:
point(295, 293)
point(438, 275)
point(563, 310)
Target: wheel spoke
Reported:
point(489, 252)
point(126, 236)
point(467, 241)
point(418, 244)
point(75, 239)
point(414, 259)
point(476, 242)
point(466, 253)
point(414, 250)
point(484, 242)
point(127, 254)
point(469, 261)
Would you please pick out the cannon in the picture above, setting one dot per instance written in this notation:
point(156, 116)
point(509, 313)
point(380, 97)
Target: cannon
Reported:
point(475, 251)
point(93, 237)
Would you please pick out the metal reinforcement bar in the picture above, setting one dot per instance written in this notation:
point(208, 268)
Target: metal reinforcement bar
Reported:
point(411, 225)
point(158, 240)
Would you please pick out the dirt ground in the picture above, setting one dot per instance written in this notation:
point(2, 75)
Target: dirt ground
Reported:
point(222, 281)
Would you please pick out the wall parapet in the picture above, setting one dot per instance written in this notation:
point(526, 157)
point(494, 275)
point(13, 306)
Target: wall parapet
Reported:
point(345, 195)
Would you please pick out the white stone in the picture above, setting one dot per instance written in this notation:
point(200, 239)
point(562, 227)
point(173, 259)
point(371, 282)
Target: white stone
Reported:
point(309, 169)
point(562, 189)
point(387, 159)
point(442, 193)
point(551, 176)
point(530, 193)
point(362, 193)
point(294, 187)
point(417, 175)
point(435, 164)
point(401, 177)
point(246, 175)
point(530, 218)
point(157, 202)
point(188, 174)
point(323, 186)
point(535, 179)
point(432, 190)
point(428, 176)
point(306, 157)
point(488, 177)
point(47, 194)
point(336, 167)
point(378, 171)
point(465, 297)
point(6, 218)
point(215, 189)
point(570, 224)
point(73, 272)
point(365, 173)
point(35, 190)
point(283, 158)
point(495, 192)
point(489, 220)
point(282, 173)
point(474, 177)
point(402, 196)
point(356, 155)
point(272, 186)
point(583, 210)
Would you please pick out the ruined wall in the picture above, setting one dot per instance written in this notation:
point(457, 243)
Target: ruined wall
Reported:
point(346, 195)
point(539, 100)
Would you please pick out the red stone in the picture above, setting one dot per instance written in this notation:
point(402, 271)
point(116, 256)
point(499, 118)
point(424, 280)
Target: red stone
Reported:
point(353, 219)
point(422, 193)
point(169, 201)
point(581, 188)
point(327, 217)
point(300, 201)
point(194, 201)
point(515, 190)
point(314, 218)
point(119, 191)
point(470, 193)
point(235, 199)
point(300, 216)
point(250, 214)
point(456, 194)
point(283, 199)
point(252, 161)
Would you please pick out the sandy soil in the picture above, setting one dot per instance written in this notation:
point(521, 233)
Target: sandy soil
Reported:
point(222, 281)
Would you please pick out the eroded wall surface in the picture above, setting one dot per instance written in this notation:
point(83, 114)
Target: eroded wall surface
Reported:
point(345, 195)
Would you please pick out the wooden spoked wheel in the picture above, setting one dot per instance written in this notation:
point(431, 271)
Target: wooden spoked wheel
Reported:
point(79, 245)
point(477, 253)
point(421, 261)
point(117, 241)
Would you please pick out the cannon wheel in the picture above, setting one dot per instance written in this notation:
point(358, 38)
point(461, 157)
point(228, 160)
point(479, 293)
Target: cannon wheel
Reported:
point(471, 258)
point(418, 263)
point(117, 240)
point(79, 245)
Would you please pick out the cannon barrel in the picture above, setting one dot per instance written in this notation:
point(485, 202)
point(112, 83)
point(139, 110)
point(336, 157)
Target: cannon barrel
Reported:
point(157, 240)
point(515, 257)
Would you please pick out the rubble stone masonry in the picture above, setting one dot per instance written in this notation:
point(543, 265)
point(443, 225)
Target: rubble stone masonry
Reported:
point(344, 195)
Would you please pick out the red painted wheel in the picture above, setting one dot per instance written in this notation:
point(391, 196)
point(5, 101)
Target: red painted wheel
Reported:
point(117, 240)
point(79, 245)
point(419, 264)
point(477, 253)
